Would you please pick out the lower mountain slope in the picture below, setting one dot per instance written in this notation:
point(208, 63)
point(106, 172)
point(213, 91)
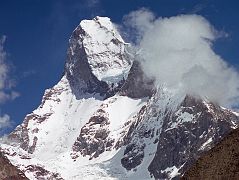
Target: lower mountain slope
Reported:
point(9, 171)
point(221, 162)
point(157, 137)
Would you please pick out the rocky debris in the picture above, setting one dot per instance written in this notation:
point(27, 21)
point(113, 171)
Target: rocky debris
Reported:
point(137, 84)
point(93, 139)
point(36, 170)
point(41, 173)
point(8, 171)
point(220, 162)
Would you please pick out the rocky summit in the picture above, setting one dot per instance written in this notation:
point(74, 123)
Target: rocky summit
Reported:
point(105, 119)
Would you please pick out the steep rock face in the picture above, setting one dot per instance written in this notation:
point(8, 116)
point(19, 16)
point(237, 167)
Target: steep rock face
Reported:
point(195, 126)
point(97, 58)
point(137, 85)
point(174, 133)
point(8, 171)
point(221, 162)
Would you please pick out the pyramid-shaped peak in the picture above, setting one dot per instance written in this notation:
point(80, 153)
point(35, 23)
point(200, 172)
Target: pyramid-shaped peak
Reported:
point(96, 53)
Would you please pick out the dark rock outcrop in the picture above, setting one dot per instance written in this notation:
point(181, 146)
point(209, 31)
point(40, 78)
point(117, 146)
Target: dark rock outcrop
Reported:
point(137, 84)
point(133, 156)
point(221, 162)
point(41, 173)
point(80, 74)
point(77, 68)
point(93, 139)
point(8, 171)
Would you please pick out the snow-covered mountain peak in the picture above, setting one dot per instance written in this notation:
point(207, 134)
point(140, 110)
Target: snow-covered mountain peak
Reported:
point(96, 124)
point(101, 29)
point(97, 53)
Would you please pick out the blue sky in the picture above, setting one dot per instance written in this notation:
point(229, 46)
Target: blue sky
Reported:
point(37, 34)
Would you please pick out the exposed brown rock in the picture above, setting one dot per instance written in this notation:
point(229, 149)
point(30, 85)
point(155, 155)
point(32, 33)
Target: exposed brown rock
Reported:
point(221, 162)
point(8, 171)
point(94, 140)
point(20, 134)
point(41, 173)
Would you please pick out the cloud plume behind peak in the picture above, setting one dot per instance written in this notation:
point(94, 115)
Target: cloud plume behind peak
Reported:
point(178, 52)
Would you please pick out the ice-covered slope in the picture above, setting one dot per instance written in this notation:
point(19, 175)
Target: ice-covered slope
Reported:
point(50, 135)
point(106, 120)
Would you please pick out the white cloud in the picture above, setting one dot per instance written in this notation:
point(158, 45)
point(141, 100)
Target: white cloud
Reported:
point(8, 96)
point(6, 85)
point(5, 121)
point(178, 52)
point(3, 66)
point(138, 22)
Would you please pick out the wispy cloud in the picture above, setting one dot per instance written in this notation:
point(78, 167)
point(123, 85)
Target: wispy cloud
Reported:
point(198, 8)
point(28, 73)
point(6, 85)
point(93, 3)
point(5, 121)
point(178, 51)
